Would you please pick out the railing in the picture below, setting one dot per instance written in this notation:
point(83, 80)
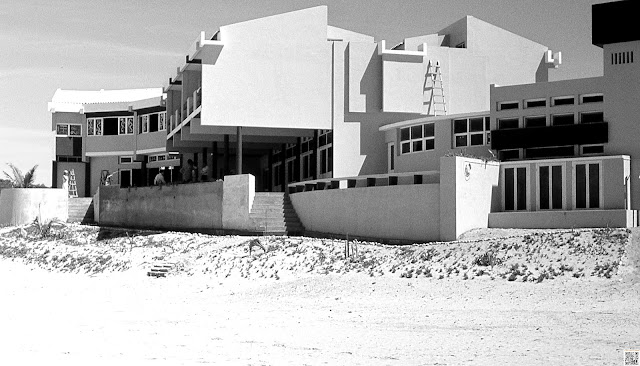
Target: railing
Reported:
point(197, 96)
point(362, 181)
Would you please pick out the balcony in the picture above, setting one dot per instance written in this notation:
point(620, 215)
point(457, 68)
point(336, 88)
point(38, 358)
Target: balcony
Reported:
point(577, 134)
point(192, 103)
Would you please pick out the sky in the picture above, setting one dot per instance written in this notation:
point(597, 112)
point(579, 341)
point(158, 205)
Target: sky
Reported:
point(120, 44)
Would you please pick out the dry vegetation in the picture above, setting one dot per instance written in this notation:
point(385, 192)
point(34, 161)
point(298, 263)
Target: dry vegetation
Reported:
point(511, 255)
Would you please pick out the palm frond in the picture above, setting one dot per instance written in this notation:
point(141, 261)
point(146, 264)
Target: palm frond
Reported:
point(29, 178)
point(15, 177)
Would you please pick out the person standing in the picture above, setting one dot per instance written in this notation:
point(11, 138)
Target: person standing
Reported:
point(65, 181)
point(159, 179)
point(188, 172)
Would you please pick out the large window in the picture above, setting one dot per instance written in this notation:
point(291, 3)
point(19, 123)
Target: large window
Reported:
point(587, 185)
point(591, 98)
point(417, 138)
point(562, 119)
point(306, 153)
point(515, 188)
point(471, 131)
point(68, 129)
point(550, 187)
point(535, 103)
point(535, 121)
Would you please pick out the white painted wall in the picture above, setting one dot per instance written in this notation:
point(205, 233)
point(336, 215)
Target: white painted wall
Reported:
point(20, 206)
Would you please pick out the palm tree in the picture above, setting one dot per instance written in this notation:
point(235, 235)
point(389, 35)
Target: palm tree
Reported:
point(21, 181)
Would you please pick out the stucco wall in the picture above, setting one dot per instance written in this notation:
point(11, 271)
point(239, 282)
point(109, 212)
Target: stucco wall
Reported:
point(239, 192)
point(19, 206)
point(184, 206)
point(406, 212)
point(271, 72)
point(563, 219)
point(621, 95)
point(468, 193)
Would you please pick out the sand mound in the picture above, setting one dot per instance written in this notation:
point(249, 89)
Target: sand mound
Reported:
point(514, 255)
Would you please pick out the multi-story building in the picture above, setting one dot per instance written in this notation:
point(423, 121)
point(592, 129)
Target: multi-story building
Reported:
point(110, 137)
point(570, 146)
point(289, 98)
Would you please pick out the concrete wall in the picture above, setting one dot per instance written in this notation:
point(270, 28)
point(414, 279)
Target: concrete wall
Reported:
point(123, 143)
point(152, 140)
point(621, 93)
point(563, 219)
point(19, 206)
point(271, 72)
point(178, 207)
point(239, 191)
point(467, 194)
point(407, 212)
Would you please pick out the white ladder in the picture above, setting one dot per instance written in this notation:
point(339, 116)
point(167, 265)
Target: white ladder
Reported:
point(73, 189)
point(437, 104)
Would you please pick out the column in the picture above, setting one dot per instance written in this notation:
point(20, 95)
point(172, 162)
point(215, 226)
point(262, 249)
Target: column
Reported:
point(226, 155)
point(239, 150)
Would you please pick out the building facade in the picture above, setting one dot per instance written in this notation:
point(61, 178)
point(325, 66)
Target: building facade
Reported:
point(289, 98)
point(110, 137)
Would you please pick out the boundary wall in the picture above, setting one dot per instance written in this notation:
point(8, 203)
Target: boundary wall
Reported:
point(194, 206)
point(20, 206)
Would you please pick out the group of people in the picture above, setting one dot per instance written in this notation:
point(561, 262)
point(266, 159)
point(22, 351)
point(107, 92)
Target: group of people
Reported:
point(189, 174)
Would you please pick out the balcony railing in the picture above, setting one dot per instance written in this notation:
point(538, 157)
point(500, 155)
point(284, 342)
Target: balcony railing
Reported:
point(373, 180)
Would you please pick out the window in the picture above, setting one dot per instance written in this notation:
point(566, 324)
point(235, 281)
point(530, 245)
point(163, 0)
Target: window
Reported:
point(535, 103)
point(277, 174)
point(471, 131)
point(417, 138)
point(549, 152)
point(125, 160)
point(535, 121)
point(504, 123)
point(67, 129)
point(94, 126)
point(551, 187)
point(515, 188)
point(306, 152)
point(153, 122)
point(557, 101)
point(145, 123)
point(562, 119)
point(125, 125)
point(502, 106)
point(391, 157)
point(591, 117)
point(162, 121)
point(591, 98)
point(461, 45)
point(152, 158)
point(511, 154)
point(591, 149)
point(587, 185)
point(110, 126)
point(326, 160)
point(625, 57)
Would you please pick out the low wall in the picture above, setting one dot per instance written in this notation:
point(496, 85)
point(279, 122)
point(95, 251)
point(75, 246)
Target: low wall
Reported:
point(563, 219)
point(404, 212)
point(239, 191)
point(178, 207)
point(19, 206)
point(469, 191)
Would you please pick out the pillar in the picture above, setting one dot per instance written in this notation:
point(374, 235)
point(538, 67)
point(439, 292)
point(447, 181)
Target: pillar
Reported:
point(239, 150)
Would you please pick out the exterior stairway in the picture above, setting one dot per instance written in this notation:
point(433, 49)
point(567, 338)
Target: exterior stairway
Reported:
point(81, 210)
point(273, 214)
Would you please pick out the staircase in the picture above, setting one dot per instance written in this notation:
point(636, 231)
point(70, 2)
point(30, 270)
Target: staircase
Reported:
point(273, 214)
point(81, 210)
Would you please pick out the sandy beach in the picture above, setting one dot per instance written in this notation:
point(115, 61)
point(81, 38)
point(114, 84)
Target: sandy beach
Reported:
point(353, 318)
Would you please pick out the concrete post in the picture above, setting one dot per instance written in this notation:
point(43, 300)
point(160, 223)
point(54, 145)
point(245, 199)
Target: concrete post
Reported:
point(239, 151)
